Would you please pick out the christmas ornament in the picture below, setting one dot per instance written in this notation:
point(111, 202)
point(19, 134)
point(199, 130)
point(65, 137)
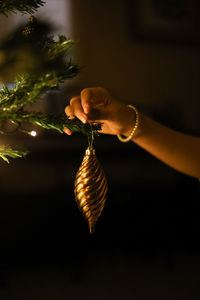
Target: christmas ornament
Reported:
point(30, 26)
point(90, 188)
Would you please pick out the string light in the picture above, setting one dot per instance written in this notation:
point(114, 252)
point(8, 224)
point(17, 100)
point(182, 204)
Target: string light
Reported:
point(33, 133)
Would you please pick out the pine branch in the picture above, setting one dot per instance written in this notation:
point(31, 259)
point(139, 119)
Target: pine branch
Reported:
point(47, 122)
point(59, 122)
point(55, 122)
point(7, 151)
point(29, 90)
point(23, 6)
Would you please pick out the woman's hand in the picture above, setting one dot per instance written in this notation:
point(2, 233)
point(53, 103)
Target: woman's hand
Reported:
point(178, 150)
point(97, 105)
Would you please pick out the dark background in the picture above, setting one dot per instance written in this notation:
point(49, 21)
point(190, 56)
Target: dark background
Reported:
point(146, 240)
point(146, 243)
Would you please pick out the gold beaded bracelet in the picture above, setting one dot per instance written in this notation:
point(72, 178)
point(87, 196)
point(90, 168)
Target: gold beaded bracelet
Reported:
point(127, 139)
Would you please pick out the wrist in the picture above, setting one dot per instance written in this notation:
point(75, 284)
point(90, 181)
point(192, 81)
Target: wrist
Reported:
point(132, 123)
point(128, 120)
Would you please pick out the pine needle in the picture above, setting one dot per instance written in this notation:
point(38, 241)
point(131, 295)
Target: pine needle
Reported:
point(7, 151)
point(23, 6)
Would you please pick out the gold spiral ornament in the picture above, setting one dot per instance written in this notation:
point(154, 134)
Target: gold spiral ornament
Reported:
point(90, 188)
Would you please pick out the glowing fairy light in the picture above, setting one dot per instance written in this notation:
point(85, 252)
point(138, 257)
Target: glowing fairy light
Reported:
point(33, 133)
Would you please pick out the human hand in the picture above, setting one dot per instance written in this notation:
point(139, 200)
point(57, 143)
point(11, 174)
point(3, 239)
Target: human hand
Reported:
point(97, 105)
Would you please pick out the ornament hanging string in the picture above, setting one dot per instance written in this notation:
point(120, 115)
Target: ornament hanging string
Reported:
point(91, 139)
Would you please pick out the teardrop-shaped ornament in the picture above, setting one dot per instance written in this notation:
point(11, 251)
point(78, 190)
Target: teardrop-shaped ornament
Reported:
point(90, 188)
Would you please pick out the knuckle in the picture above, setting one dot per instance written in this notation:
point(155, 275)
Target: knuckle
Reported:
point(67, 109)
point(74, 99)
point(84, 92)
point(69, 112)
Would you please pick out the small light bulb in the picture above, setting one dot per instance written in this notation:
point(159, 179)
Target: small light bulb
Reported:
point(33, 133)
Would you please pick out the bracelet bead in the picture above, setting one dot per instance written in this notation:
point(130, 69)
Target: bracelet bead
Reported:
point(129, 138)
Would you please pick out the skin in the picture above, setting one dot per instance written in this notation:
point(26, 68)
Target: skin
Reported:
point(177, 150)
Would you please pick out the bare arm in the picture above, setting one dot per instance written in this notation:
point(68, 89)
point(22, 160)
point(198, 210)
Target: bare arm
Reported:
point(178, 150)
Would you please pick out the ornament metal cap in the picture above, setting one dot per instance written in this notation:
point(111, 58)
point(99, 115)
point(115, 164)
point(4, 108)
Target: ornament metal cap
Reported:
point(90, 151)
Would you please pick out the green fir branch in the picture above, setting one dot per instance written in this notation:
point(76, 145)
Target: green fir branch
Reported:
point(7, 151)
point(54, 49)
point(23, 6)
point(60, 122)
point(29, 89)
point(51, 121)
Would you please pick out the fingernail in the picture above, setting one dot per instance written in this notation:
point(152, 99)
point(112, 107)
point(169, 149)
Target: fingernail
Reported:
point(67, 131)
point(83, 119)
point(86, 109)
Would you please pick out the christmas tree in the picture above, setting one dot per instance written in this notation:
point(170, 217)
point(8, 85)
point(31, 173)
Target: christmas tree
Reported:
point(46, 66)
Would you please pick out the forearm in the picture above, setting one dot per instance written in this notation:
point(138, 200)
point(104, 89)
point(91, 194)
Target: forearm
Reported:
point(179, 151)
